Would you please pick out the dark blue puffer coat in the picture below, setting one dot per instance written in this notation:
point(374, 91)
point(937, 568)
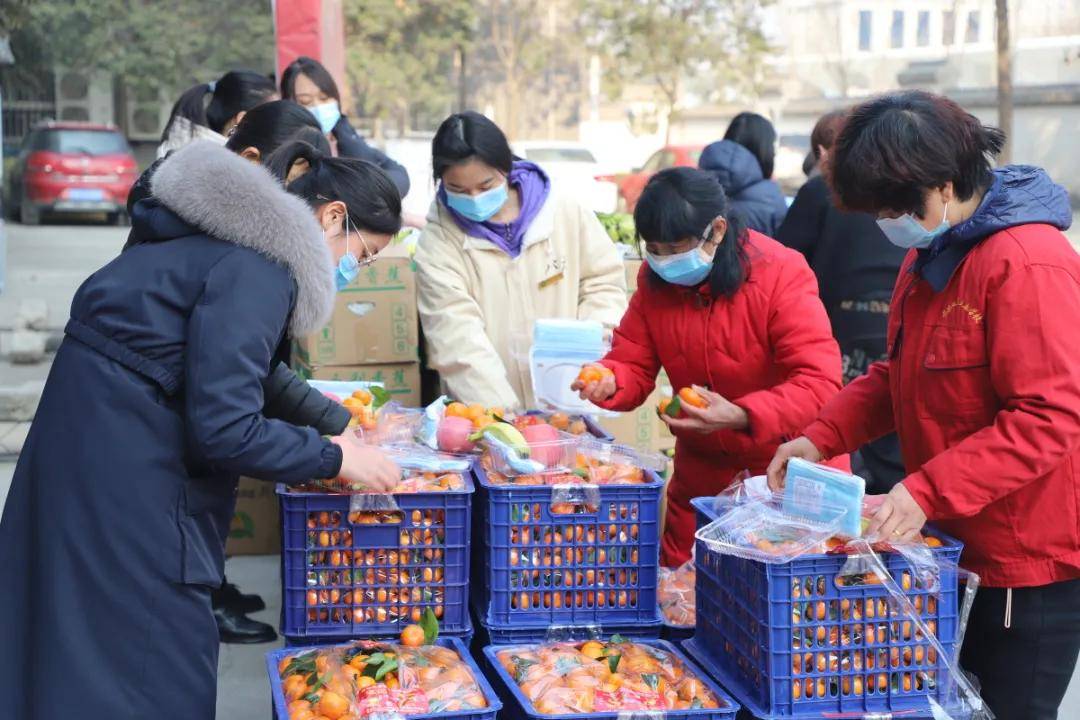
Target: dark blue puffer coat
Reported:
point(113, 533)
point(757, 200)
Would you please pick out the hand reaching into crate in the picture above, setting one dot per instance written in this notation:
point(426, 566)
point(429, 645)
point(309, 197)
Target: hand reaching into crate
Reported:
point(364, 467)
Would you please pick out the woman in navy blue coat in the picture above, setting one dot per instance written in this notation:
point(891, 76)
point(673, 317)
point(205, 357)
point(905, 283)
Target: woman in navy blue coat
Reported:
point(112, 535)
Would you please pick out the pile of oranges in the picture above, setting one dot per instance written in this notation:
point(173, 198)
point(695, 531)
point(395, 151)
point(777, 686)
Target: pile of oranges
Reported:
point(393, 584)
point(559, 420)
point(611, 677)
point(587, 469)
point(479, 415)
point(359, 405)
point(355, 681)
point(417, 483)
point(675, 595)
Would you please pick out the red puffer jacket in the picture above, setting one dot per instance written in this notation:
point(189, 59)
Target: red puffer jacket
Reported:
point(768, 349)
point(983, 386)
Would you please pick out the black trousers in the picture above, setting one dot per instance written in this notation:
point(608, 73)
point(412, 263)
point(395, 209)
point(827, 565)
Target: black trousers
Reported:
point(1024, 669)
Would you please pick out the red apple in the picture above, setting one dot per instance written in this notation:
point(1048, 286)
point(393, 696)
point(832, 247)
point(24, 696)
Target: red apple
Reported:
point(544, 444)
point(453, 434)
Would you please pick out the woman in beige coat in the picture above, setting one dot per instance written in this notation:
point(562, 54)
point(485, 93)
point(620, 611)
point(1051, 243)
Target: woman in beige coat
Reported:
point(502, 248)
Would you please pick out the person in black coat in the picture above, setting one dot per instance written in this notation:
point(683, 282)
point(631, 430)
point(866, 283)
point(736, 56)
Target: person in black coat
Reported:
point(856, 268)
point(757, 200)
point(307, 82)
point(258, 133)
point(112, 537)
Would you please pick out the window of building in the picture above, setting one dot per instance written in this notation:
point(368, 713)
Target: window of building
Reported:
point(948, 27)
point(922, 34)
point(972, 33)
point(865, 19)
point(896, 35)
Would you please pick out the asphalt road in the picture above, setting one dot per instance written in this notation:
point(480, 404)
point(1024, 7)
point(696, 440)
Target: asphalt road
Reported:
point(50, 262)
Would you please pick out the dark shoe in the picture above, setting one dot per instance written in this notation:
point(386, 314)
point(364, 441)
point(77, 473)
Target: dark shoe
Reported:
point(229, 596)
point(238, 629)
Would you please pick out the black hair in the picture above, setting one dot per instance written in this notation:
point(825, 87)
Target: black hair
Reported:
point(315, 71)
point(271, 125)
point(895, 147)
point(370, 196)
point(467, 135)
point(681, 202)
point(235, 92)
point(756, 134)
point(825, 131)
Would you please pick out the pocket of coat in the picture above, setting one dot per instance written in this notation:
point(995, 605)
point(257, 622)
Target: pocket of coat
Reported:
point(956, 377)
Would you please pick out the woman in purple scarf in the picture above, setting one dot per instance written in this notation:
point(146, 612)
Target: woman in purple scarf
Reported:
point(503, 246)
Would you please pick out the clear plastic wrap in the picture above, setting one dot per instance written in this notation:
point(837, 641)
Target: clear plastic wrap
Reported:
point(746, 519)
point(764, 530)
point(369, 679)
point(675, 595)
point(594, 676)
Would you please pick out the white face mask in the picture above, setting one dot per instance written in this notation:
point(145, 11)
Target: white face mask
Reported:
point(907, 232)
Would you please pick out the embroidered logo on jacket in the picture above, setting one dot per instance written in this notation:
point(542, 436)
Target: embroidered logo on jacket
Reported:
point(971, 312)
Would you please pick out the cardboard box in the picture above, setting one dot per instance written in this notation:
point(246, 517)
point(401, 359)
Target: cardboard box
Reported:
point(374, 320)
point(401, 379)
point(256, 526)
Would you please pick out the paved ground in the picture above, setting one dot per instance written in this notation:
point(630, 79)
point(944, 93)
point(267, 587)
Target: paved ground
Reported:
point(50, 262)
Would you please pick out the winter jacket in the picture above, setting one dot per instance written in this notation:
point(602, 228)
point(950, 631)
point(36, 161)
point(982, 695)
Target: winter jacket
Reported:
point(767, 349)
point(288, 397)
point(856, 268)
point(982, 384)
point(350, 144)
point(478, 305)
point(757, 200)
point(126, 483)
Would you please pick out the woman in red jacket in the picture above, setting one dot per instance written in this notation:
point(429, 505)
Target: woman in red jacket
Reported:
point(735, 315)
point(982, 380)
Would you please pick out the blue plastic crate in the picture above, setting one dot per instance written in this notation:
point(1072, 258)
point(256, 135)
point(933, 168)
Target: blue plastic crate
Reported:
point(491, 712)
point(518, 707)
point(344, 576)
point(789, 642)
point(518, 634)
point(676, 633)
point(466, 637)
point(534, 567)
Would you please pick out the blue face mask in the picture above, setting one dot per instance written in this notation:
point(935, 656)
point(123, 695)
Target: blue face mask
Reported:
point(328, 114)
point(688, 268)
point(478, 208)
point(348, 266)
point(906, 232)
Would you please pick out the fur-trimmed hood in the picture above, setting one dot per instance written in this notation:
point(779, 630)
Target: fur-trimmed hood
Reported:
point(238, 201)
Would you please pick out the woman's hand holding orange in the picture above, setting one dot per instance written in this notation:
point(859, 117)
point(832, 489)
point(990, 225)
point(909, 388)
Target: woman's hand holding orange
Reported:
point(707, 412)
point(595, 383)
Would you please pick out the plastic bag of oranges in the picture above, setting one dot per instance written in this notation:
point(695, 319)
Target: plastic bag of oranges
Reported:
point(597, 676)
point(320, 683)
point(370, 678)
point(675, 595)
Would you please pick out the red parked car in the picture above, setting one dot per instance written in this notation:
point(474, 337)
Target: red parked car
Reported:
point(630, 186)
point(72, 167)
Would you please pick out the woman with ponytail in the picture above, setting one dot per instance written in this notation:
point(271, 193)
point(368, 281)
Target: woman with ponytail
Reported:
point(166, 356)
point(732, 314)
point(208, 111)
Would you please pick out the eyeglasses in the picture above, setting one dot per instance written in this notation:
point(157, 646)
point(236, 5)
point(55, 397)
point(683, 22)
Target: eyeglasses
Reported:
point(368, 257)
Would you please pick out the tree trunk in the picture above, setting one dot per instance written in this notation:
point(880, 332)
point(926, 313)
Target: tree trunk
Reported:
point(1004, 73)
point(463, 89)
